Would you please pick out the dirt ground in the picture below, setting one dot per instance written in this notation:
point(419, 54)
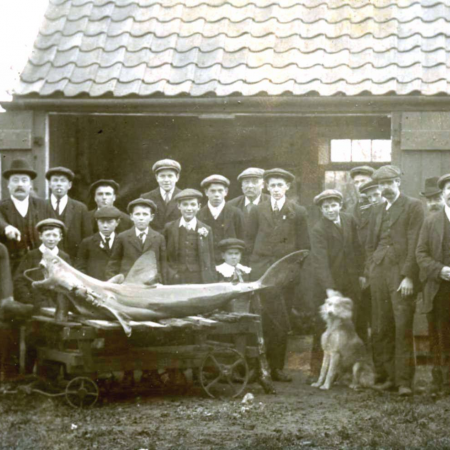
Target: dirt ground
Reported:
point(299, 416)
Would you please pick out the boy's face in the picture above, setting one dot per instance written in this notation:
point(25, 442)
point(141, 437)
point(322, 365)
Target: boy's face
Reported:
point(232, 256)
point(19, 186)
point(141, 216)
point(107, 226)
point(374, 196)
point(50, 237)
point(167, 179)
point(216, 193)
point(331, 208)
point(59, 185)
point(360, 179)
point(277, 187)
point(189, 208)
point(104, 196)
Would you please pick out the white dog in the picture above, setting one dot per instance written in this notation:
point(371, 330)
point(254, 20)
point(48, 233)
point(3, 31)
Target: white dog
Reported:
point(344, 351)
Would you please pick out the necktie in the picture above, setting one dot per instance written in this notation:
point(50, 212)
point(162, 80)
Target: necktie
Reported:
point(58, 201)
point(249, 207)
point(142, 238)
point(107, 240)
point(166, 198)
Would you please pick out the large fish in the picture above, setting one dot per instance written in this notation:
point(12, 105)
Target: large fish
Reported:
point(96, 299)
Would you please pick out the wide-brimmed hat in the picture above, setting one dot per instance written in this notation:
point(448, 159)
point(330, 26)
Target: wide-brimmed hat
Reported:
point(60, 171)
point(142, 202)
point(20, 166)
point(328, 194)
point(279, 173)
point(431, 187)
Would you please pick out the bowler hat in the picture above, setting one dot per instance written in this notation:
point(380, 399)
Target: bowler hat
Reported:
point(141, 202)
point(226, 244)
point(51, 223)
point(107, 212)
point(362, 170)
point(98, 183)
point(327, 194)
point(279, 173)
point(218, 179)
point(188, 193)
point(166, 164)
point(388, 172)
point(431, 187)
point(251, 172)
point(20, 166)
point(444, 179)
point(367, 185)
point(60, 171)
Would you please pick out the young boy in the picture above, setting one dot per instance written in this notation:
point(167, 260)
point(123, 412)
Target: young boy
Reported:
point(136, 241)
point(231, 270)
point(190, 245)
point(95, 251)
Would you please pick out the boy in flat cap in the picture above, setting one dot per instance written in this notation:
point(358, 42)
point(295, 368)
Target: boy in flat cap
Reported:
point(394, 280)
point(433, 195)
point(226, 221)
point(104, 193)
point(136, 241)
point(167, 173)
point(190, 246)
point(20, 213)
point(95, 251)
point(276, 229)
point(433, 257)
point(72, 212)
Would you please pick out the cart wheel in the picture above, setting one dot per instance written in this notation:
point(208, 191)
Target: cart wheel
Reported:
point(224, 373)
point(82, 392)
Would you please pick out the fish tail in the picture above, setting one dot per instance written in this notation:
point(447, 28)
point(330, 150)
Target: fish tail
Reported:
point(284, 271)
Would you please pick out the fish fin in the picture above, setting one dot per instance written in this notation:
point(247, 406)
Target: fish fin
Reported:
point(144, 270)
point(121, 317)
point(284, 271)
point(117, 279)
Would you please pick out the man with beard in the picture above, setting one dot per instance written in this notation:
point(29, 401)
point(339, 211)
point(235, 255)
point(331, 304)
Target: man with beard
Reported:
point(433, 257)
point(433, 195)
point(393, 276)
point(20, 214)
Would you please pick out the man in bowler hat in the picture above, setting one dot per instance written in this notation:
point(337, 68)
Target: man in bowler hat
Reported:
point(433, 195)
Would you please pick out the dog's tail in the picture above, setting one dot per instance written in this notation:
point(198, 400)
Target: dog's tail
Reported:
point(363, 374)
point(284, 271)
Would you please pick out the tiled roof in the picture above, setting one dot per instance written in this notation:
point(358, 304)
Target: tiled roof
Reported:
point(240, 47)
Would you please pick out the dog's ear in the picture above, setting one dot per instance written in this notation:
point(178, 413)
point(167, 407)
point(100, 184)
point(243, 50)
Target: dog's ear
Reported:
point(332, 293)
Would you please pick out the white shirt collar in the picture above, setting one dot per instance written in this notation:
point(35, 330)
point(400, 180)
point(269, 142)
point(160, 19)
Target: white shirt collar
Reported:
point(280, 202)
point(388, 205)
point(164, 193)
point(111, 238)
point(138, 232)
point(43, 249)
point(337, 221)
point(447, 211)
point(255, 202)
point(216, 210)
point(21, 205)
point(227, 270)
point(62, 202)
point(192, 224)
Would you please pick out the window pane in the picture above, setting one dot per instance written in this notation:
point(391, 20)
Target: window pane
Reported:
point(361, 150)
point(336, 179)
point(381, 150)
point(341, 150)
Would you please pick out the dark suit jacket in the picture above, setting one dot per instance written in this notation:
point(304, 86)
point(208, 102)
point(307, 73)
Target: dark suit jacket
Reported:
point(205, 250)
point(78, 222)
point(362, 217)
point(128, 249)
point(6, 285)
point(93, 256)
point(23, 291)
point(337, 256)
point(239, 203)
point(429, 257)
point(407, 217)
point(125, 222)
point(164, 213)
point(9, 215)
point(267, 243)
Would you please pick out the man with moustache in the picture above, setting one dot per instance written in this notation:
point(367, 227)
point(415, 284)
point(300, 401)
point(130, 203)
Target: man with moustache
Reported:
point(20, 213)
point(394, 278)
point(433, 195)
point(433, 257)
point(105, 194)
point(73, 213)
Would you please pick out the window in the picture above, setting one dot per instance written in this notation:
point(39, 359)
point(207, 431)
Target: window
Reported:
point(360, 151)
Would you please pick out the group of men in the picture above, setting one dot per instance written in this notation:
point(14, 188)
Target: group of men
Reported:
point(380, 253)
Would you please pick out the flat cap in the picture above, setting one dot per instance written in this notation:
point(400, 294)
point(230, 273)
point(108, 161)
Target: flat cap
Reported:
point(219, 179)
point(226, 244)
point(328, 194)
point(107, 212)
point(98, 183)
point(60, 171)
point(367, 185)
point(362, 170)
point(442, 180)
point(387, 173)
point(20, 166)
point(141, 202)
point(431, 187)
point(251, 172)
point(51, 223)
point(188, 193)
point(166, 164)
point(279, 173)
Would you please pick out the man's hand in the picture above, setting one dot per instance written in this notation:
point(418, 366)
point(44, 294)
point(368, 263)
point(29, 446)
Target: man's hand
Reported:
point(406, 287)
point(363, 282)
point(445, 273)
point(12, 233)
